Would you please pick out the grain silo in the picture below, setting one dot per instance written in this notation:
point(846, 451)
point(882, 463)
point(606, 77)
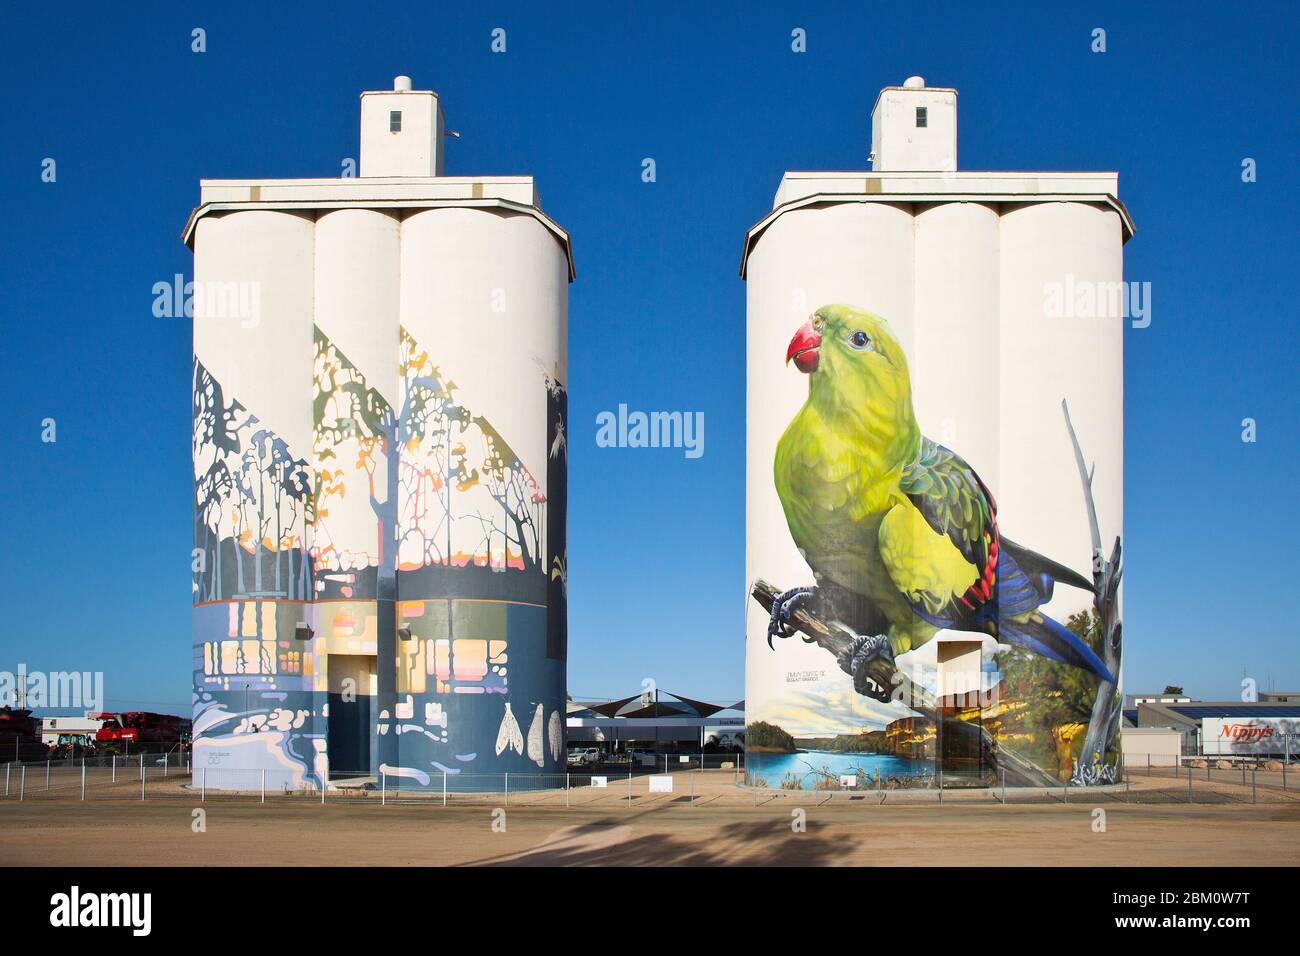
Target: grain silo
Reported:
point(914, 502)
point(380, 470)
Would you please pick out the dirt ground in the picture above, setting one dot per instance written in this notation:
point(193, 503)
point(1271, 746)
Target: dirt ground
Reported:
point(722, 825)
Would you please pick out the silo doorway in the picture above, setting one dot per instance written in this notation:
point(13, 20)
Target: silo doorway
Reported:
point(352, 680)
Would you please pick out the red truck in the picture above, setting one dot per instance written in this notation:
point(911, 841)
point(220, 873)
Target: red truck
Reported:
point(137, 727)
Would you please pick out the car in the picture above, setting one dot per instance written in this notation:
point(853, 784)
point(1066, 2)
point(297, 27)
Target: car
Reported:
point(586, 757)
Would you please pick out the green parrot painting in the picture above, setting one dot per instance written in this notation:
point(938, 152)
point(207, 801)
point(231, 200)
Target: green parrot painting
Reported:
point(901, 534)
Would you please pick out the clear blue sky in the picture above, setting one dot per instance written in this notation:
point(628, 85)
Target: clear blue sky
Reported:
point(96, 528)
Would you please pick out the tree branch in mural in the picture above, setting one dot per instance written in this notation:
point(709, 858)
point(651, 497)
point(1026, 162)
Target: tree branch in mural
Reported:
point(457, 469)
point(346, 409)
point(898, 687)
point(252, 502)
point(1093, 767)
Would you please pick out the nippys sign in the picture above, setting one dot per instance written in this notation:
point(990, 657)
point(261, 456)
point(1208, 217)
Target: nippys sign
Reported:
point(1250, 735)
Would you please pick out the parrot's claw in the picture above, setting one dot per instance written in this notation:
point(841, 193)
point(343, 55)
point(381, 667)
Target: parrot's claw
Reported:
point(783, 606)
point(855, 658)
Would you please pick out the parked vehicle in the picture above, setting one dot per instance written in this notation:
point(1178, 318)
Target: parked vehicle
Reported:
point(586, 757)
point(137, 727)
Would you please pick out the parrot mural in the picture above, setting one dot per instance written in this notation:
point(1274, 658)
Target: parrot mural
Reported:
point(900, 532)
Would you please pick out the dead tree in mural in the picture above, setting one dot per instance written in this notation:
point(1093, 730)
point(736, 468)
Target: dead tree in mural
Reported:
point(251, 495)
point(515, 490)
point(1092, 766)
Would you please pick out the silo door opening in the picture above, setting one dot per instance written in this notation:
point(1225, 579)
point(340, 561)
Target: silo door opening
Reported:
point(962, 753)
point(351, 698)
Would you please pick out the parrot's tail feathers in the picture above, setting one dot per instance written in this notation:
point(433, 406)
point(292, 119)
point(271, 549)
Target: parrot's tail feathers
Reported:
point(1053, 640)
point(1037, 564)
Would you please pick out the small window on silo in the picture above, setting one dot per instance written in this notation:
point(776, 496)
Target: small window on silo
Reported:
point(395, 121)
point(922, 116)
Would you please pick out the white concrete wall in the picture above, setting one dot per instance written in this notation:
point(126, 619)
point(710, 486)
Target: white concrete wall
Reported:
point(1162, 747)
point(962, 286)
point(416, 150)
point(899, 144)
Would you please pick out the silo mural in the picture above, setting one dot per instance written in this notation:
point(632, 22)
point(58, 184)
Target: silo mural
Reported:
point(381, 518)
point(934, 482)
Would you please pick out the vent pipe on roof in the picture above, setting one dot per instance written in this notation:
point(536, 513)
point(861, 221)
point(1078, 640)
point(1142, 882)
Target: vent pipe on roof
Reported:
point(402, 84)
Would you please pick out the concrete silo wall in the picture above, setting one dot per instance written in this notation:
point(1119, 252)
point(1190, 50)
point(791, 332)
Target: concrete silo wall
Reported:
point(964, 289)
point(415, 362)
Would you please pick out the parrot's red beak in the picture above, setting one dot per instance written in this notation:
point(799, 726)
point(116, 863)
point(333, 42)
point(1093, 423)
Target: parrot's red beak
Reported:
point(804, 347)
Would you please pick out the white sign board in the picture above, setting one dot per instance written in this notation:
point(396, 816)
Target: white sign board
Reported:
point(600, 781)
point(1249, 735)
point(849, 781)
point(683, 759)
point(661, 784)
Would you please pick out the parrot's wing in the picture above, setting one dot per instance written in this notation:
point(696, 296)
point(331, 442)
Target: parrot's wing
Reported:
point(955, 503)
point(925, 566)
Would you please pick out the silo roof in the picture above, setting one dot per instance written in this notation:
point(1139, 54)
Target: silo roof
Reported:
point(514, 193)
point(799, 190)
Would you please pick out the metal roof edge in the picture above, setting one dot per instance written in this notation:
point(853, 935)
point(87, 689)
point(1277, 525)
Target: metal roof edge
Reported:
point(187, 234)
point(756, 230)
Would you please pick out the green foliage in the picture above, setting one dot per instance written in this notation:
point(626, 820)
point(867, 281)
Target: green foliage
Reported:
point(1171, 689)
point(1045, 695)
point(867, 742)
point(764, 736)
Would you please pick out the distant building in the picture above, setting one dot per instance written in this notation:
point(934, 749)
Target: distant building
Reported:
point(1226, 727)
point(1279, 696)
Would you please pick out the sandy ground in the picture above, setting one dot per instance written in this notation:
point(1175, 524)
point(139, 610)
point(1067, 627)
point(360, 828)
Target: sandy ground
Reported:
point(723, 825)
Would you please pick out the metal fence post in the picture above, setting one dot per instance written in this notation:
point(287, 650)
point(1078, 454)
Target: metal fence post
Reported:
point(203, 785)
point(322, 787)
point(444, 788)
point(507, 788)
point(1252, 783)
point(22, 784)
point(83, 780)
point(114, 760)
point(264, 786)
point(142, 780)
point(47, 774)
point(383, 787)
point(1286, 758)
point(629, 788)
point(1004, 786)
point(7, 766)
point(1148, 765)
point(1189, 783)
point(1126, 788)
point(166, 757)
point(566, 788)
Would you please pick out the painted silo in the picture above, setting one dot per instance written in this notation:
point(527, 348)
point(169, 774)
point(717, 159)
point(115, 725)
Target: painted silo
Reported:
point(380, 472)
point(921, 570)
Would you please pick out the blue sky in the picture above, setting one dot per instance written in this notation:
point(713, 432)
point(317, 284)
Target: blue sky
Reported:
point(96, 527)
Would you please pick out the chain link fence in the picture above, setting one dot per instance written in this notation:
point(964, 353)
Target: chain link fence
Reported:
point(664, 780)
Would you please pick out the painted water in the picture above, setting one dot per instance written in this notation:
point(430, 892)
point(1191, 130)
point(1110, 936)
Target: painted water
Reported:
point(771, 769)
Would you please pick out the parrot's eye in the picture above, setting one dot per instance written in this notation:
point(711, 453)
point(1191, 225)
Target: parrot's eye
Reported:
point(860, 341)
